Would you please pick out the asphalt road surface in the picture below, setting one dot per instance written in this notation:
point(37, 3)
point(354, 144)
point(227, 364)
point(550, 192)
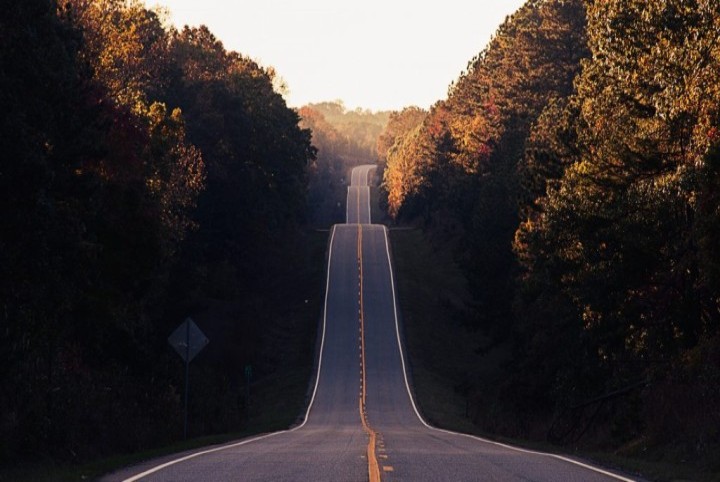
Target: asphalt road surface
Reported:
point(362, 423)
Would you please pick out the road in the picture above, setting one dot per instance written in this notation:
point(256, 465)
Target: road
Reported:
point(357, 209)
point(362, 422)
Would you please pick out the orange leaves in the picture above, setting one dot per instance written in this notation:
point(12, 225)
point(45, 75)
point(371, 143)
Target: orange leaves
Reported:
point(399, 125)
point(482, 126)
point(475, 136)
point(126, 46)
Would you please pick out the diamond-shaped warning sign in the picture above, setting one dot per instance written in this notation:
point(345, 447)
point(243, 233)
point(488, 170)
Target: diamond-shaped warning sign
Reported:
point(188, 340)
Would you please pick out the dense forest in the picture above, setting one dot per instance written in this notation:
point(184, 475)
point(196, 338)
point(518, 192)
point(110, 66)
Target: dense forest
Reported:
point(149, 174)
point(343, 139)
point(574, 170)
point(145, 171)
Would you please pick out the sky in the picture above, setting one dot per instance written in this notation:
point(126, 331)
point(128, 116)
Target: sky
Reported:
point(372, 54)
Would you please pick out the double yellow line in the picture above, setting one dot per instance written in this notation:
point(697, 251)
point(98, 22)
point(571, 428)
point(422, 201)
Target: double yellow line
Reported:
point(373, 466)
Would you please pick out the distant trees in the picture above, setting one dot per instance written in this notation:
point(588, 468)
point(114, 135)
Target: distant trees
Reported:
point(325, 187)
point(360, 127)
point(137, 163)
point(572, 169)
point(343, 139)
point(392, 146)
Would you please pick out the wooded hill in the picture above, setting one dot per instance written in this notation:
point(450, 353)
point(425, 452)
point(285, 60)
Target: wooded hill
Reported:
point(574, 170)
point(145, 171)
point(343, 139)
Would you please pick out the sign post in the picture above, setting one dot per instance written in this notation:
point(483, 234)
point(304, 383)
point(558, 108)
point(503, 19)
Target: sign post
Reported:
point(248, 376)
point(188, 341)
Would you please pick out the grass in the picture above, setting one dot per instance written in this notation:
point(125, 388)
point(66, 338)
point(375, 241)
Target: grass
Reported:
point(50, 472)
point(278, 400)
point(653, 468)
point(433, 300)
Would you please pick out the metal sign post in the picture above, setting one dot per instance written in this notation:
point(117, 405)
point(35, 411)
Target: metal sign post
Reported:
point(188, 341)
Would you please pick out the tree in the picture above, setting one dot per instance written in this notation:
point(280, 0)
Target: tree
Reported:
point(615, 234)
point(102, 243)
point(255, 154)
point(466, 177)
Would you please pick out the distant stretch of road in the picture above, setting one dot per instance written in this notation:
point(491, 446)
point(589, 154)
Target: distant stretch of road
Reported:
point(362, 423)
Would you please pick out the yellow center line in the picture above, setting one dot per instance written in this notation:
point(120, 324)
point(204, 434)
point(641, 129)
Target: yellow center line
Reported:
point(373, 466)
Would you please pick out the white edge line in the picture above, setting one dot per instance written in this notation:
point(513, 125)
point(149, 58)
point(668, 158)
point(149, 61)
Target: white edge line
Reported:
point(347, 206)
point(351, 189)
point(256, 439)
point(367, 168)
point(322, 339)
point(417, 413)
point(196, 454)
point(369, 214)
point(367, 183)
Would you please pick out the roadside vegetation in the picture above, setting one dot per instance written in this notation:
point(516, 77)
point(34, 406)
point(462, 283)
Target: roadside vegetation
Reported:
point(148, 175)
point(445, 362)
point(572, 172)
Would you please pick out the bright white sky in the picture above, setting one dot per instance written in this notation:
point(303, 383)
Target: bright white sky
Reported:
point(375, 54)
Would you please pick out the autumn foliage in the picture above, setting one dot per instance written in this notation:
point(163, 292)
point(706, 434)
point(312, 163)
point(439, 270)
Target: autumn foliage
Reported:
point(573, 169)
point(143, 169)
point(343, 138)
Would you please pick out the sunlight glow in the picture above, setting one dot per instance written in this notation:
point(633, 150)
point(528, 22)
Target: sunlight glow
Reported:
point(377, 54)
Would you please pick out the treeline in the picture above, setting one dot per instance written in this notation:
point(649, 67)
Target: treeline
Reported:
point(144, 171)
point(360, 127)
point(574, 170)
point(343, 139)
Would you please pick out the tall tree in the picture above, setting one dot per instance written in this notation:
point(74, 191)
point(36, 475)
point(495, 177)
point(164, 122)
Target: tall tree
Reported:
point(464, 164)
point(616, 236)
point(102, 244)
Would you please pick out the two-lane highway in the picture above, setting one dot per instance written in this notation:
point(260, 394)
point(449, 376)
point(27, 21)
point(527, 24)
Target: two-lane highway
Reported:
point(362, 422)
point(357, 209)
